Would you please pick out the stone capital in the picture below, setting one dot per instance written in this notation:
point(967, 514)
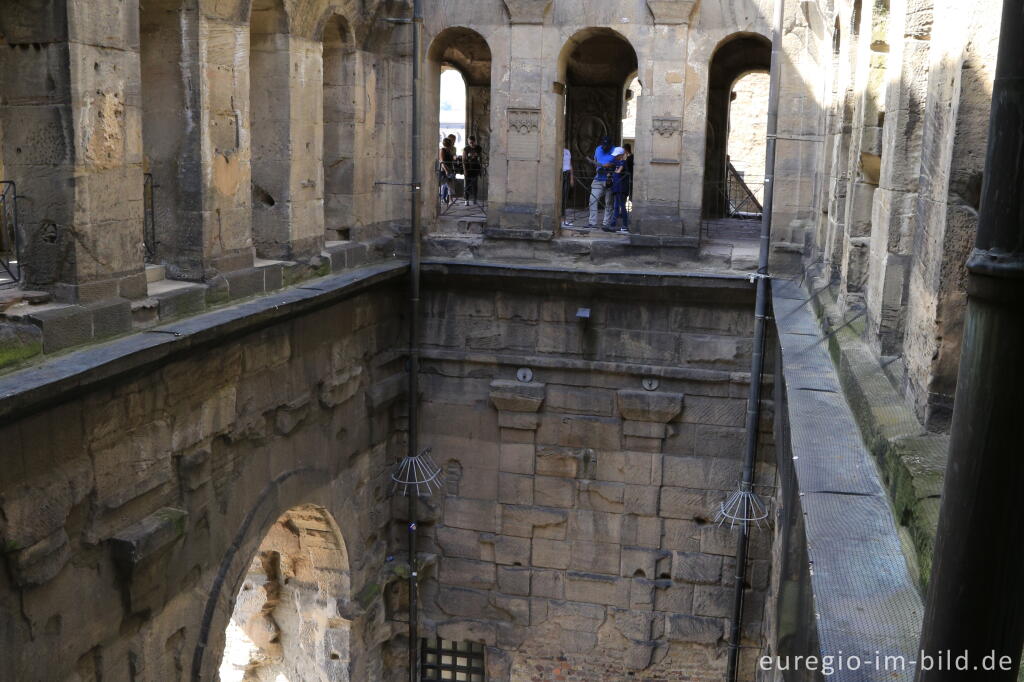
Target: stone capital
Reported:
point(527, 11)
point(517, 396)
point(671, 12)
point(650, 406)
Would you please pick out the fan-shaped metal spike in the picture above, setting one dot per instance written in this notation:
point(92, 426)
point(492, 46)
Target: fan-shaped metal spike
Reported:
point(742, 507)
point(417, 472)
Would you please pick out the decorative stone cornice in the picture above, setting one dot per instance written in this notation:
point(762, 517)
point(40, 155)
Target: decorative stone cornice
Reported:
point(671, 12)
point(527, 11)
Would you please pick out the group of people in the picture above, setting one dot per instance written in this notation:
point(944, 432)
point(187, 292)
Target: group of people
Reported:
point(613, 179)
point(613, 182)
point(470, 164)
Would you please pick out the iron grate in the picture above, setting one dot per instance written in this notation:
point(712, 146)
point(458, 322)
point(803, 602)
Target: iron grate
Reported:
point(444, 659)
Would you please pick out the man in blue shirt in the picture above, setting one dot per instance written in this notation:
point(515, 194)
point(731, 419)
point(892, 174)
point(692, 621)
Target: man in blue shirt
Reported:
point(602, 185)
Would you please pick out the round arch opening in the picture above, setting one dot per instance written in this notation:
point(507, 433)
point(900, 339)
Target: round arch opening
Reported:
point(457, 53)
point(599, 69)
point(735, 58)
point(287, 623)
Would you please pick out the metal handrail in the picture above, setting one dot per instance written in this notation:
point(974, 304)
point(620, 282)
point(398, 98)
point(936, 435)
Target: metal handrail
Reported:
point(10, 231)
point(739, 194)
point(481, 205)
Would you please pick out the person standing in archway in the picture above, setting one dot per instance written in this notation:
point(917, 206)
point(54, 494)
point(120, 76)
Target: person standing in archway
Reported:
point(601, 186)
point(472, 165)
point(567, 182)
point(446, 170)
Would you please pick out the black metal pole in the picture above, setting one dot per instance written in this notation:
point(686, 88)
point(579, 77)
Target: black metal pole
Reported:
point(757, 356)
point(414, 314)
point(976, 596)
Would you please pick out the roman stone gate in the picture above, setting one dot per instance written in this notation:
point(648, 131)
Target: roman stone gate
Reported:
point(206, 210)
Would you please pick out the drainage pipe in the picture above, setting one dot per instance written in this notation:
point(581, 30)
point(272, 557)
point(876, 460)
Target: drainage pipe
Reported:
point(757, 357)
point(414, 315)
point(976, 596)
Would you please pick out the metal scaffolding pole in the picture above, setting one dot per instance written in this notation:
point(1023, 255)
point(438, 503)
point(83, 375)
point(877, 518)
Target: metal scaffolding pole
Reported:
point(750, 507)
point(414, 314)
point(975, 600)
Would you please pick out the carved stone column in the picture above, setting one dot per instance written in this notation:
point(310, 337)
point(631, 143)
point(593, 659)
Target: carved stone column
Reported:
point(520, 199)
point(659, 123)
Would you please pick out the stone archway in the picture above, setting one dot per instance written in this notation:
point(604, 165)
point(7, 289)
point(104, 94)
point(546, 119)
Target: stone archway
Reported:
point(288, 622)
point(737, 56)
point(469, 53)
point(597, 66)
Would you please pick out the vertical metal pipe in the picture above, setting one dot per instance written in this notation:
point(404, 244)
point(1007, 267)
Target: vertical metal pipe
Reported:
point(757, 357)
point(414, 353)
point(976, 596)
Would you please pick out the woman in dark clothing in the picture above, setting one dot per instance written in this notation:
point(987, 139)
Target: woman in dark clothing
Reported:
point(472, 165)
point(446, 170)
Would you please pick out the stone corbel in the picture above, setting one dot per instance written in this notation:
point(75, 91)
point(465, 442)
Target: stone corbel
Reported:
point(527, 11)
point(671, 12)
point(140, 552)
point(646, 415)
point(517, 403)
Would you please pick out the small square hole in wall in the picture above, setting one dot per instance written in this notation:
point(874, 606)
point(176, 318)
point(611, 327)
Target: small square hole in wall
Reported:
point(445, 659)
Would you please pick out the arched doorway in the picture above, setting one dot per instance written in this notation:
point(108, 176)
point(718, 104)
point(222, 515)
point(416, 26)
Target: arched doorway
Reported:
point(287, 624)
point(465, 51)
point(735, 58)
point(597, 66)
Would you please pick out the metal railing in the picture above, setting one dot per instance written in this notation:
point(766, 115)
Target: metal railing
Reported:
point(452, 208)
point(10, 231)
point(576, 200)
point(741, 194)
point(148, 218)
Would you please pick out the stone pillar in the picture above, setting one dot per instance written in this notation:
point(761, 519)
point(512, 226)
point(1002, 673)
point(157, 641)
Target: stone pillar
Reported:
point(865, 149)
point(799, 140)
point(478, 124)
point(72, 143)
point(661, 148)
point(955, 130)
point(838, 138)
point(306, 176)
point(523, 194)
point(225, 156)
point(895, 200)
point(285, 117)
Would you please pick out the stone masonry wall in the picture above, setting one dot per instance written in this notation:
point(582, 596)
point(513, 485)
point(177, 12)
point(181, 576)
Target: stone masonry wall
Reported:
point(130, 511)
point(576, 534)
